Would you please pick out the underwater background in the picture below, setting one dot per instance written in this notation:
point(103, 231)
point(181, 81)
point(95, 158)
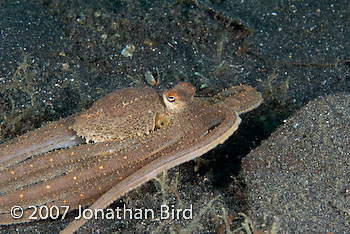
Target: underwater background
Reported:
point(286, 169)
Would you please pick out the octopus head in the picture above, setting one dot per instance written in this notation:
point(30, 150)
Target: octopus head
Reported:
point(176, 99)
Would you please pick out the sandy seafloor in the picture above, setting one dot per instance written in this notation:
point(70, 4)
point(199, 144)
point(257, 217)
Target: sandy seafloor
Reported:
point(58, 57)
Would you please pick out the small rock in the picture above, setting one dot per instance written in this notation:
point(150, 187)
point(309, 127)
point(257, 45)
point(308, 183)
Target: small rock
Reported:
point(128, 50)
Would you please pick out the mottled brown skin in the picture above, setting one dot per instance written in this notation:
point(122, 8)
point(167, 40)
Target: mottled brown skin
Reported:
point(126, 113)
point(241, 98)
point(102, 172)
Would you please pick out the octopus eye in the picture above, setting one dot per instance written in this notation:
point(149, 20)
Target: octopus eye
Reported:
point(171, 98)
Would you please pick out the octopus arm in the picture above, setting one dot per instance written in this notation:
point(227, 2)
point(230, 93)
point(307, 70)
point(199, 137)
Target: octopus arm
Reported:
point(218, 124)
point(51, 136)
point(242, 98)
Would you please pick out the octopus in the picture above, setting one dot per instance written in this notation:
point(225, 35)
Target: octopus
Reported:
point(124, 140)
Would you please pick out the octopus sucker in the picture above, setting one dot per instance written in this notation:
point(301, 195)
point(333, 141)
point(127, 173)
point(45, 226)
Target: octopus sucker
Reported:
point(133, 134)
